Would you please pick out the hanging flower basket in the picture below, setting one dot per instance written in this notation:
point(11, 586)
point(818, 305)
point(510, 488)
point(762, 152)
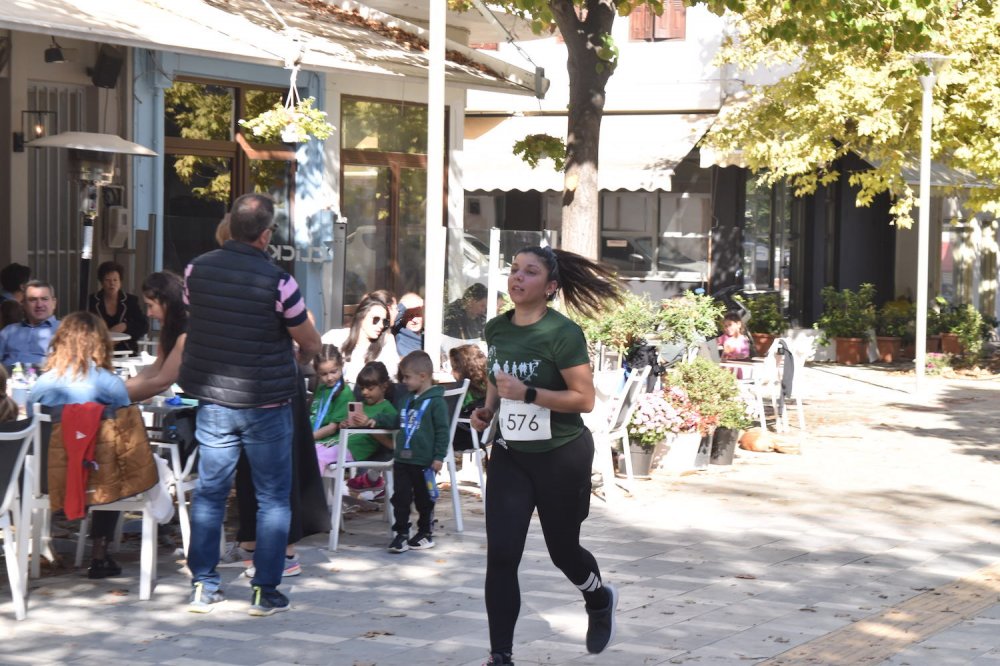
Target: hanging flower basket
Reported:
point(296, 123)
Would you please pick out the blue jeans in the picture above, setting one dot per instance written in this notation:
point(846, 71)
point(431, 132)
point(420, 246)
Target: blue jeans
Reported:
point(266, 436)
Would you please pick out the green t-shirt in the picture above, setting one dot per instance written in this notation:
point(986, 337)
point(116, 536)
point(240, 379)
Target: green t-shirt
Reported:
point(363, 447)
point(335, 413)
point(536, 354)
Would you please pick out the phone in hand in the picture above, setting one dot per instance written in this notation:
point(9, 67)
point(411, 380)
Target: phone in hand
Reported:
point(355, 408)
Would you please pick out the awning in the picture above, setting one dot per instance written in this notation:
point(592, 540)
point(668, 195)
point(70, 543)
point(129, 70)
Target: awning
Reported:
point(638, 152)
point(346, 37)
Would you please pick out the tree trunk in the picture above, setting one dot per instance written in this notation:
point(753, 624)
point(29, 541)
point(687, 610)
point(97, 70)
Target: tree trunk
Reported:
point(588, 76)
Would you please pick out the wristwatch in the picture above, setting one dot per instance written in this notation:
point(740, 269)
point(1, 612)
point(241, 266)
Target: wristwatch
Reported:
point(530, 395)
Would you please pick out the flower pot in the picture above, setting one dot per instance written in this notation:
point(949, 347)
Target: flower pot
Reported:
point(851, 351)
point(933, 344)
point(762, 342)
point(950, 344)
point(678, 454)
point(889, 348)
point(908, 351)
point(724, 446)
point(642, 460)
point(704, 454)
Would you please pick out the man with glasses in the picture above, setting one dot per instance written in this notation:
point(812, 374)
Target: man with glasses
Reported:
point(240, 363)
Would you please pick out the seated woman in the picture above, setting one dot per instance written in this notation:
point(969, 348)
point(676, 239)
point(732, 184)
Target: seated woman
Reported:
point(164, 297)
point(368, 339)
point(8, 408)
point(120, 311)
point(78, 370)
point(468, 362)
point(465, 318)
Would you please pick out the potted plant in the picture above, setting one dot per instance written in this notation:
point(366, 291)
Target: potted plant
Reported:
point(715, 394)
point(848, 318)
point(766, 320)
point(653, 421)
point(893, 323)
point(689, 319)
point(966, 325)
point(296, 121)
point(623, 328)
point(734, 418)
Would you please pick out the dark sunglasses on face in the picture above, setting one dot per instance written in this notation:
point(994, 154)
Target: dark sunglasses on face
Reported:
point(380, 320)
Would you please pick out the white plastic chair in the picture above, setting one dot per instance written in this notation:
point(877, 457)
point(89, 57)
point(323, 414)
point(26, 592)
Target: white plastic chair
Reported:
point(333, 480)
point(35, 502)
point(454, 397)
point(613, 427)
point(14, 446)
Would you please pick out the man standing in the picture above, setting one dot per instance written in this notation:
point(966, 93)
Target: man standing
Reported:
point(239, 363)
point(28, 341)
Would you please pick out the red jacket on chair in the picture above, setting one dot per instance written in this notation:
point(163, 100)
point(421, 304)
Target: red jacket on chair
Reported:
point(80, 423)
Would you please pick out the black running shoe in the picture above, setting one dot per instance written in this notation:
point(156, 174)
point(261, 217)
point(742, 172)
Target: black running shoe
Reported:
point(499, 659)
point(105, 568)
point(264, 603)
point(399, 544)
point(601, 624)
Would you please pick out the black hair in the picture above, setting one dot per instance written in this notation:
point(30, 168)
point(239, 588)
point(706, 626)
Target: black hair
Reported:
point(109, 267)
point(372, 374)
point(167, 289)
point(13, 276)
point(328, 353)
point(585, 284)
point(476, 292)
point(251, 215)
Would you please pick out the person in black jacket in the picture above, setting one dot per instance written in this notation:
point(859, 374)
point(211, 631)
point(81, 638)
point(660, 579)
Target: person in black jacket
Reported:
point(120, 311)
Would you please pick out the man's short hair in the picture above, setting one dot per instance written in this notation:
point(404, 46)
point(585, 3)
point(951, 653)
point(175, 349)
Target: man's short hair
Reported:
point(417, 362)
point(40, 284)
point(251, 215)
point(13, 276)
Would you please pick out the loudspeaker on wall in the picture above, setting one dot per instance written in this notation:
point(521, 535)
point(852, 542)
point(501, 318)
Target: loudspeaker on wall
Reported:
point(108, 66)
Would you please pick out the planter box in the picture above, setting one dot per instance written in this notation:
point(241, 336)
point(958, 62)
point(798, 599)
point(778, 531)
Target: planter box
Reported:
point(889, 348)
point(851, 351)
point(950, 344)
point(678, 454)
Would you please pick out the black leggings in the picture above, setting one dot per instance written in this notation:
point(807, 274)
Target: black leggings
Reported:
point(558, 484)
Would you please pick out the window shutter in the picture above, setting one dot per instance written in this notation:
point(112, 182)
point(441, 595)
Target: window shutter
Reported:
point(672, 23)
point(640, 24)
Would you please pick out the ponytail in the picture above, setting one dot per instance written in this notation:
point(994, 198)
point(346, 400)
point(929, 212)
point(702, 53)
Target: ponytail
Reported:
point(586, 285)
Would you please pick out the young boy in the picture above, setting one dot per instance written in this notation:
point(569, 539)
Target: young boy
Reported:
point(421, 443)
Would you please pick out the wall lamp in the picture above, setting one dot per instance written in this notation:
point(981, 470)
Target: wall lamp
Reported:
point(55, 52)
point(34, 125)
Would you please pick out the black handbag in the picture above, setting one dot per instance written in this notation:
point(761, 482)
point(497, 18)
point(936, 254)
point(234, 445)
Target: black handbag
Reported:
point(179, 427)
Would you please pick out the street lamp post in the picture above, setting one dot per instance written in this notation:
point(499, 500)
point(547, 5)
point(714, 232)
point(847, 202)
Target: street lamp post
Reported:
point(933, 62)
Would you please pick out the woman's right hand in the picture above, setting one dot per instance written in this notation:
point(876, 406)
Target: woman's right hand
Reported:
point(480, 418)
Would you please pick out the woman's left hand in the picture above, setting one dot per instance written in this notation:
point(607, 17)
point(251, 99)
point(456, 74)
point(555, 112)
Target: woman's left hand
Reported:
point(510, 387)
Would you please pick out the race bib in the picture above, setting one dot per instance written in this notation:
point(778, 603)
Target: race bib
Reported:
point(520, 422)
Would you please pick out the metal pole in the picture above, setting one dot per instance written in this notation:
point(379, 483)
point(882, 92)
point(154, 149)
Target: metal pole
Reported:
point(923, 227)
point(435, 236)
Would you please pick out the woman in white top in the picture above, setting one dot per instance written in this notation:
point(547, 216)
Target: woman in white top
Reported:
point(368, 339)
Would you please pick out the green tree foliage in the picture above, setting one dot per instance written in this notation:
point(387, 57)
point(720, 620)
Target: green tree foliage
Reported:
point(852, 86)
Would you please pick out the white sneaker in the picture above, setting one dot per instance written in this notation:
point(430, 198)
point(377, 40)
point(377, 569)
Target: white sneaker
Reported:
point(235, 555)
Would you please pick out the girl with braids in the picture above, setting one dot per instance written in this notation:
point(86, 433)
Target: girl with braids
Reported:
point(164, 297)
point(540, 383)
point(368, 339)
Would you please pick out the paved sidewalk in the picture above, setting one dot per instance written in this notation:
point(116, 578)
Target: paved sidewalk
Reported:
point(879, 544)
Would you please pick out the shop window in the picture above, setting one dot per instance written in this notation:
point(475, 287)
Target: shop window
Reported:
point(645, 25)
point(383, 194)
point(210, 162)
point(657, 234)
point(772, 242)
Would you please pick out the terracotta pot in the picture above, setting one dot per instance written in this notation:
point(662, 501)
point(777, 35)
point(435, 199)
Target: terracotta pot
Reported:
point(933, 344)
point(950, 344)
point(889, 348)
point(762, 342)
point(851, 351)
point(908, 352)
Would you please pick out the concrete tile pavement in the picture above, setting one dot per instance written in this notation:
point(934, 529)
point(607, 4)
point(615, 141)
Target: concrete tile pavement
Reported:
point(893, 498)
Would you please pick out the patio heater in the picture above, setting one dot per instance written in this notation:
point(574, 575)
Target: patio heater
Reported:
point(91, 165)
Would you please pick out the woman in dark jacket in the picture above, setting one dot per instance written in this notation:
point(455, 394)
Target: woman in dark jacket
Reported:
point(120, 311)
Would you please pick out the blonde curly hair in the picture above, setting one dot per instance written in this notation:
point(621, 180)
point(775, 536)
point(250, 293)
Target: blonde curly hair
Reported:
point(81, 339)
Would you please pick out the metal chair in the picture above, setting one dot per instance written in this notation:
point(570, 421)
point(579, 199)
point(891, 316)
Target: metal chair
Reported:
point(14, 445)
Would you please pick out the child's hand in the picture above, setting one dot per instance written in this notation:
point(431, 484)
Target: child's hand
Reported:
point(437, 465)
point(357, 419)
point(480, 418)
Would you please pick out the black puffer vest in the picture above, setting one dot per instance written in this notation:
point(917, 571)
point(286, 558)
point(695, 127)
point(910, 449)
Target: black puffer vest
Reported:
point(238, 352)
